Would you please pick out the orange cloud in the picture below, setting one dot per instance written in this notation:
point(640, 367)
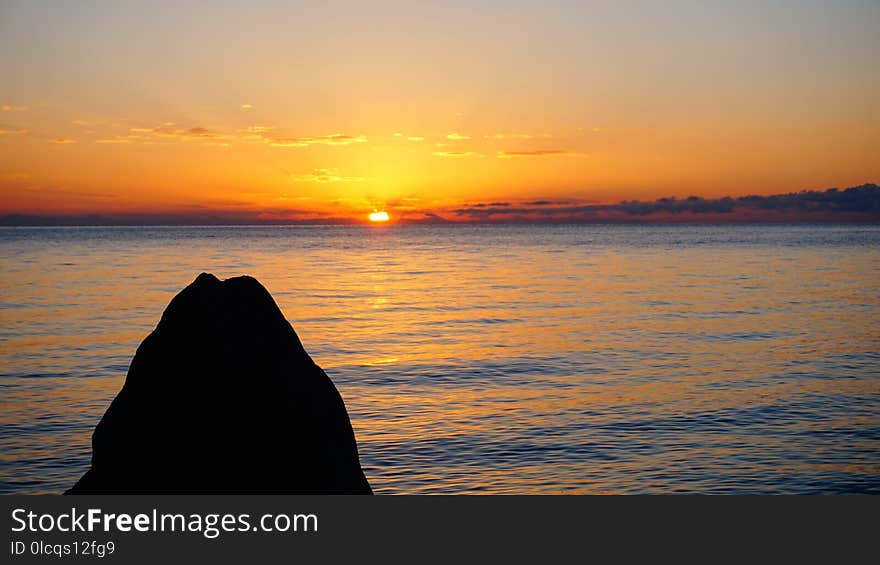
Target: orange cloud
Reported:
point(333, 139)
point(191, 132)
point(325, 176)
point(456, 154)
point(535, 153)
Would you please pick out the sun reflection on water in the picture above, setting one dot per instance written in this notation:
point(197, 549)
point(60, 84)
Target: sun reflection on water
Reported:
point(521, 359)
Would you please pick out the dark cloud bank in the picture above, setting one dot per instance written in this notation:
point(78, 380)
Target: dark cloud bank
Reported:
point(855, 204)
point(852, 205)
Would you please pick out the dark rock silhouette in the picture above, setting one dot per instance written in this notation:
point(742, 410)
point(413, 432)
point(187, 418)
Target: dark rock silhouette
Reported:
point(222, 398)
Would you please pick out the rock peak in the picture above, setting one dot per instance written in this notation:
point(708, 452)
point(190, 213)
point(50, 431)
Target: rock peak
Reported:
point(222, 398)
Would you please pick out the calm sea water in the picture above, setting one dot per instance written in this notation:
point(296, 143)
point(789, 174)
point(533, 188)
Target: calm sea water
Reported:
point(564, 359)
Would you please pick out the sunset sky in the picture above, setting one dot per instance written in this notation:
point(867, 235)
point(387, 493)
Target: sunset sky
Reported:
point(305, 110)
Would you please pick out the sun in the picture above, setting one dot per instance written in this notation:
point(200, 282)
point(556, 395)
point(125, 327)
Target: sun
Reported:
point(379, 216)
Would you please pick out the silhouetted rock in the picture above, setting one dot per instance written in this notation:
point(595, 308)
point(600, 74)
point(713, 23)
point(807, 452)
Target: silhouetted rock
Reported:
point(222, 398)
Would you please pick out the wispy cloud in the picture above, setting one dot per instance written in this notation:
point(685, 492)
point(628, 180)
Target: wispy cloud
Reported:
point(457, 137)
point(190, 132)
point(11, 108)
point(170, 130)
point(114, 140)
point(551, 202)
point(408, 137)
point(537, 210)
point(456, 154)
point(14, 131)
point(62, 141)
point(333, 139)
point(324, 176)
point(534, 153)
point(247, 106)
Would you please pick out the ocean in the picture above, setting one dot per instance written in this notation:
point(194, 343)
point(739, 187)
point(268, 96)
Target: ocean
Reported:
point(490, 359)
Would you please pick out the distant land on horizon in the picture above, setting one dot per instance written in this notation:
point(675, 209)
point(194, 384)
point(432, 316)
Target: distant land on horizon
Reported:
point(857, 204)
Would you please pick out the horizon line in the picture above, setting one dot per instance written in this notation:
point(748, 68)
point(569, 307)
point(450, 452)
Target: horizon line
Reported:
point(856, 204)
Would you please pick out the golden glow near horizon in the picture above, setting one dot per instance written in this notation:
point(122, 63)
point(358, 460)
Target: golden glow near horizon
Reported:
point(333, 111)
point(379, 217)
